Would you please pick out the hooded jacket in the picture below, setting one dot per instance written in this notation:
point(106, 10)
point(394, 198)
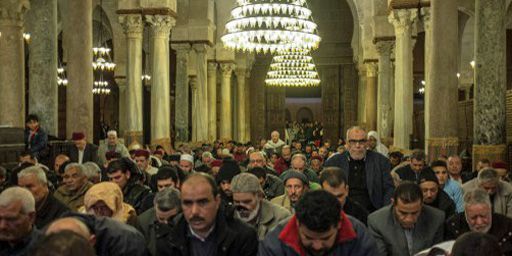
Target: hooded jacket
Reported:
point(380, 148)
point(111, 195)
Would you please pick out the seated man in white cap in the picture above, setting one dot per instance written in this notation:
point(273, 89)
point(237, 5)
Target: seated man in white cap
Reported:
point(187, 163)
point(252, 208)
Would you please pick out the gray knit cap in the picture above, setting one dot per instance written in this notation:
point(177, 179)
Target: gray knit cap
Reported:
point(245, 183)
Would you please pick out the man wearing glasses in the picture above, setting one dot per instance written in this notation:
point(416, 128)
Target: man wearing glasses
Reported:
point(368, 172)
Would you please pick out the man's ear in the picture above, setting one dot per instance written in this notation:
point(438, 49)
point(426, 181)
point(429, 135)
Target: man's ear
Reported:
point(92, 240)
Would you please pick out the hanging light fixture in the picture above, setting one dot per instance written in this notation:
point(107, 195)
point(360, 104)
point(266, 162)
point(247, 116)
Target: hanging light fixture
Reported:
point(145, 75)
point(61, 75)
point(293, 68)
point(102, 61)
point(271, 25)
point(101, 86)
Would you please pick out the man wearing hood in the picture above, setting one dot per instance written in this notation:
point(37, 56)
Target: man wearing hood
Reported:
point(375, 144)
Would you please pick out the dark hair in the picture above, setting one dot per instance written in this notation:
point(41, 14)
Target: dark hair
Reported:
point(32, 117)
point(27, 153)
point(475, 243)
point(418, 155)
point(125, 164)
point(334, 176)
point(396, 154)
point(318, 210)
point(3, 172)
point(62, 167)
point(259, 172)
point(408, 192)
point(438, 163)
point(167, 172)
point(484, 161)
point(63, 243)
point(208, 178)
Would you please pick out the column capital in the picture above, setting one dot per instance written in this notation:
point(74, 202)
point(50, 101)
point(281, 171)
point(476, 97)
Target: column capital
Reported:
point(227, 69)
point(161, 25)
point(200, 48)
point(212, 67)
point(384, 47)
point(193, 82)
point(132, 25)
point(371, 69)
point(12, 12)
point(426, 17)
point(248, 72)
point(402, 19)
point(240, 72)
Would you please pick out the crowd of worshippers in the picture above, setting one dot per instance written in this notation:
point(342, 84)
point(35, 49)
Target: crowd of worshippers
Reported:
point(269, 199)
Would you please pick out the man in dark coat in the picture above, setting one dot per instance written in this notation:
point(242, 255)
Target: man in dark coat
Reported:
point(368, 172)
point(82, 151)
point(413, 170)
point(36, 138)
point(272, 185)
point(203, 228)
point(433, 194)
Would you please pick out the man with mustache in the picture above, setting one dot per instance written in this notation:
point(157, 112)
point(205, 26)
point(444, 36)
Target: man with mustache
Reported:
point(204, 228)
point(296, 184)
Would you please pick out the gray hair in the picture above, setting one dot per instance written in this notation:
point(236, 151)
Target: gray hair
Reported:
point(207, 154)
point(477, 196)
point(299, 155)
point(261, 153)
point(3, 172)
point(112, 132)
point(82, 170)
point(355, 128)
point(37, 171)
point(168, 199)
point(91, 169)
point(488, 175)
point(13, 194)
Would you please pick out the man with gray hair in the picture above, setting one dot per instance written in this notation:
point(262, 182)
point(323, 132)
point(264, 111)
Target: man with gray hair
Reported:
point(298, 164)
point(251, 206)
point(17, 213)
point(48, 207)
point(75, 184)
point(93, 172)
point(157, 221)
point(499, 191)
point(275, 142)
point(111, 143)
point(478, 217)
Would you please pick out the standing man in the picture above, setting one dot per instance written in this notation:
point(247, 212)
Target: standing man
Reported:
point(368, 172)
point(82, 151)
point(112, 143)
point(36, 138)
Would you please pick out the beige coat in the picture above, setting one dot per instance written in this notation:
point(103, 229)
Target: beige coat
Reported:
point(73, 200)
point(502, 200)
point(283, 201)
point(270, 215)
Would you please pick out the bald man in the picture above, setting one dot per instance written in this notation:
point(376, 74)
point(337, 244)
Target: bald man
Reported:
point(275, 142)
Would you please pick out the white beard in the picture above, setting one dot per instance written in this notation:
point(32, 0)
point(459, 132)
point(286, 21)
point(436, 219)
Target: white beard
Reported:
point(251, 216)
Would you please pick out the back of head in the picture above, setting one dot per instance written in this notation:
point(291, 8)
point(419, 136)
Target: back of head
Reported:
point(64, 243)
point(408, 192)
point(333, 176)
point(488, 175)
point(318, 210)
point(476, 243)
point(168, 199)
point(18, 194)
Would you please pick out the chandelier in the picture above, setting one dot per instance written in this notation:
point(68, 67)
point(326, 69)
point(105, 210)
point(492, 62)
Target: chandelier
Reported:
point(102, 62)
point(271, 25)
point(292, 68)
point(101, 86)
point(61, 76)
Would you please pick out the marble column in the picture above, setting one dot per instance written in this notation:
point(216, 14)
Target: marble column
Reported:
point(123, 116)
point(441, 89)
point(490, 81)
point(226, 118)
point(133, 28)
point(371, 96)
point(182, 93)
point(160, 88)
point(77, 32)
point(383, 91)
point(241, 117)
point(361, 95)
point(212, 101)
point(195, 99)
point(248, 105)
point(43, 94)
point(12, 69)
point(402, 21)
point(202, 91)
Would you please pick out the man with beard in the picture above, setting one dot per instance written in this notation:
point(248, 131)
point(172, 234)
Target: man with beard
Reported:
point(252, 208)
point(478, 217)
point(283, 163)
point(319, 227)
point(296, 185)
point(433, 195)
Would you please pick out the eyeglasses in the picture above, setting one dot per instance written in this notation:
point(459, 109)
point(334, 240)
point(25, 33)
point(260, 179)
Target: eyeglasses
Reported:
point(355, 142)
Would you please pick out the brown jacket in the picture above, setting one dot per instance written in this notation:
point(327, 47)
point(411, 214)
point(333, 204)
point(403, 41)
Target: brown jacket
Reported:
point(73, 200)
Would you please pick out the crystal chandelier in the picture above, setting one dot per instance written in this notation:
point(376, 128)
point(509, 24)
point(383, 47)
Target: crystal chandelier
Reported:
point(271, 25)
point(102, 62)
point(292, 68)
point(61, 76)
point(101, 86)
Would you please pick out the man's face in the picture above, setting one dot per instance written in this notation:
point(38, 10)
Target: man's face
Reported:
point(142, 162)
point(225, 186)
point(73, 180)
point(14, 224)
point(58, 162)
point(165, 183)
point(186, 166)
point(317, 243)
point(454, 165)
point(165, 216)
point(323, 152)
point(119, 177)
point(298, 164)
point(80, 144)
point(112, 139)
point(430, 190)
point(27, 159)
point(394, 161)
point(357, 144)
point(309, 149)
point(298, 146)
point(441, 173)
point(340, 192)
point(100, 209)
point(407, 214)
point(316, 165)
point(32, 124)
point(372, 143)
point(417, 165)
point(199, 205)
point(206, 159)
point(295, 189)
point(247, 205)
point(490, 187)
point(38, 189)
point(256, 160)
point(275, 137)
point(480, 165)
point(479, 217)
point(286, 154)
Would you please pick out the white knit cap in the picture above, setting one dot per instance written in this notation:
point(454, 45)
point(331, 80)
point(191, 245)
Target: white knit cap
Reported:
point(187, 157)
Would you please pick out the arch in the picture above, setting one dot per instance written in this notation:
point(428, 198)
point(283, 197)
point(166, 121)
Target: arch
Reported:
point(356, 31)
point(101, 25)
point(305, 114)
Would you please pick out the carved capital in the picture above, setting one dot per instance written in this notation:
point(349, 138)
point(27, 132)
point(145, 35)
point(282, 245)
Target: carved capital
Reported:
point(426, 17)
point(212, 67)
point(371, 69)
point(161, 25)
point(384, 47)
point(12, 11)
point(227, 69)
point(240, 72)
point(402, 20)
point(193, 82)
point(200, 48)
point(132, 25)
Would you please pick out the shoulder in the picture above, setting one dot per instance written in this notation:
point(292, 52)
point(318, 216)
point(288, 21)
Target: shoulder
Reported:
point(377, 218)
point(146, 217)
point(506, 188)
point(278, 200)
point(375, 156)
point(336, 159)
point(432, 214)
point(279, 212)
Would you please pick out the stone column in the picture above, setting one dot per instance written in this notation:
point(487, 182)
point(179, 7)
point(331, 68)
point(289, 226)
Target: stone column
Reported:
point(490, 81)
point(383, 91)
point(12, 69)
point(248, 105)
point(160, 88)
point(241, 118)
point(427, 24)
point(226, 118)
point(361, 95)
point(371, 96)
point(195, 99)
point(123, 116)
point(182, 93)
point(133, 29)
point(77, 32)
point(402, 21)
point(212, 101)
point(43, 94)
point(202, 90)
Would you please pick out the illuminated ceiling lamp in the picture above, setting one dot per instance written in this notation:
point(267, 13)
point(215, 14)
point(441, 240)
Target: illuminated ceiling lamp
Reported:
point(270, 26)
point(293, 68)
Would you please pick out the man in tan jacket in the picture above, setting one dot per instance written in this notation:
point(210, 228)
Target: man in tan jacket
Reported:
point(75, 184)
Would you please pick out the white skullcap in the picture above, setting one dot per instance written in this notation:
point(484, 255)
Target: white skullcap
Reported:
point(187, 157)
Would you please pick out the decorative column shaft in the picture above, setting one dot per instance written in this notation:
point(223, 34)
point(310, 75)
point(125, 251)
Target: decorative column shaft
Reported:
point(490, 81)
point(241, 118)
point(202, 90)
point(212, 101)
point(402, 21)
point(195, 99)
point(226, 120)
point(182, 93)
point(371, 96)
point(247, 105)
point(383, 91)
point(12, 69)
point(361, 95)
point(160, 89)
point(77, 32)
point(43, 96)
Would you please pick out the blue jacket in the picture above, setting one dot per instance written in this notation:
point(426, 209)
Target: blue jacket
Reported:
point(378, 178)
point(38, 144)
point(353, 239)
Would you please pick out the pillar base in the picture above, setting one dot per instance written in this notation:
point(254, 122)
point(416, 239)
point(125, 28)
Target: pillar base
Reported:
point(441, 146)
point(491, 152)
point(164, 142)
point(132, 139)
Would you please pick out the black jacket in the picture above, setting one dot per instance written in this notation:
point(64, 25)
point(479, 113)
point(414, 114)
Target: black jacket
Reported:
point(90, 153)
point(49, 211)
point(444, 203)
point(138, 196)
point(233, 238)
point(356, 210)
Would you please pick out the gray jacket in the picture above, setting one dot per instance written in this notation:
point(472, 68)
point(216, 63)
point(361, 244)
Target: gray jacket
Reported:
point(270, 216)
point(390, 236)
point(502, 200)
